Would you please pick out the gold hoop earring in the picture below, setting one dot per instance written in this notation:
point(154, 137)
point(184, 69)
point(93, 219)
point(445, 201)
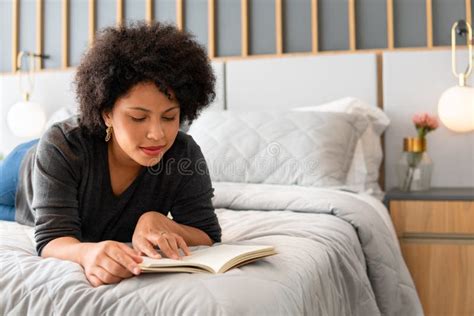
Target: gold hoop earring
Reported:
point(108, 134)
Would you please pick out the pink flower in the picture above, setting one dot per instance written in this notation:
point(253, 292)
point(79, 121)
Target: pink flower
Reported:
point(425, 123)
point(432, 123)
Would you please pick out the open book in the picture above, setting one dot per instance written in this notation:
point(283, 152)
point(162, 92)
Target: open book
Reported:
point(214, 259)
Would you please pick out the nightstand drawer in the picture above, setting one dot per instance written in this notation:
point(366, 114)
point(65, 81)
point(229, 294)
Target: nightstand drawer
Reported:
point(413, 217)
point(445, 287)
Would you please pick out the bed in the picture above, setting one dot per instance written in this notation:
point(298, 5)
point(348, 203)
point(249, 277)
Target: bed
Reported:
point(304, 180)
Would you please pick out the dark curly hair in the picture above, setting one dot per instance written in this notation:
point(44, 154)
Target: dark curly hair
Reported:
point(124, 56)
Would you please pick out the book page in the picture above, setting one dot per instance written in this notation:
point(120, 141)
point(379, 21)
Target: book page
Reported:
point(214, 257)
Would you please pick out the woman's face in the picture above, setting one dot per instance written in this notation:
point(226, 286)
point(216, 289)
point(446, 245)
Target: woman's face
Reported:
point(144, 123)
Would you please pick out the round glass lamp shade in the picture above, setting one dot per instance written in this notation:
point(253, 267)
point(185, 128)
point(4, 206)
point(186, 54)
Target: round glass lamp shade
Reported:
point(26, 119)
point(456, 109)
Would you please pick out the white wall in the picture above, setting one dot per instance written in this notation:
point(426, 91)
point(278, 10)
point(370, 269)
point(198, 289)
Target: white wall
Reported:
point(413, 82)
point(52, 89)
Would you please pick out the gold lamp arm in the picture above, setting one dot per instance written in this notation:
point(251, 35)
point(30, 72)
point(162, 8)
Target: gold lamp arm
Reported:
point(461, 75)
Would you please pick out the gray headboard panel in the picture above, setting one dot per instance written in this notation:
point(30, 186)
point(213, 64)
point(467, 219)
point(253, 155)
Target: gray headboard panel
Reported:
point(53, 90)
point(282, 83)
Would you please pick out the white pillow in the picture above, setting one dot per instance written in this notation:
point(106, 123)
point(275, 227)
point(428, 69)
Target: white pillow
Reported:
point(279, 147)
point(61, 114)
point(364, 171)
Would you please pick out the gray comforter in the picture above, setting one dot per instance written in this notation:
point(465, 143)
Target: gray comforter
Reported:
point(337, 255)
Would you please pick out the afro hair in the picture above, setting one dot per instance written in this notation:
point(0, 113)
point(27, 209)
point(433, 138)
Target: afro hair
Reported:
point(122, 57)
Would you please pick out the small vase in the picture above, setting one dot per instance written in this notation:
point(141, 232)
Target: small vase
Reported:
point(415, 166)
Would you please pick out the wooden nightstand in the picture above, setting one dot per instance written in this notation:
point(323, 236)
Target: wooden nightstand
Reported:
point(436, 233)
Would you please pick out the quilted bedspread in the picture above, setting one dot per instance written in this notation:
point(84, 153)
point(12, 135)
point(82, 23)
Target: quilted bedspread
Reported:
point(337, 255)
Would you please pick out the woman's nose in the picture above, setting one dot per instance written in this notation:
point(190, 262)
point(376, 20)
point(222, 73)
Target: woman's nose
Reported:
point(155, 132)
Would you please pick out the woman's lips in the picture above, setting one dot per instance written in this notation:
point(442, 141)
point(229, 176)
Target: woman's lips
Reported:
point(152, 151)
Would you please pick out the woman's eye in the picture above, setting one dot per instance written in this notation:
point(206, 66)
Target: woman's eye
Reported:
point(137, 119)
point(168, 118)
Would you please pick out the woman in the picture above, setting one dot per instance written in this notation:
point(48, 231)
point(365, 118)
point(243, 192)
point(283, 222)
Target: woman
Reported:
point(113, 173)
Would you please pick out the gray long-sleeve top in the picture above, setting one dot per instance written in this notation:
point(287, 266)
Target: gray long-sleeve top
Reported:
point(64, 189)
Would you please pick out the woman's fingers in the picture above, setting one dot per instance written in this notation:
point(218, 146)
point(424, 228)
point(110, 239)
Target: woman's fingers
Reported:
point(177, 242)
point(93, 280)
point(110, 262)
point(104, 276)
point(169, 244)
point(173, 246)
point(182, 244)
point(134, 254)
point(122, 262)
point(120, 265)
point(162, 242)
point(147, 248)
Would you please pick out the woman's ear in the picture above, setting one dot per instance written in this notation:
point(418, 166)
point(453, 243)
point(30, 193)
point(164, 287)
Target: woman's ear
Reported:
point(107, 117)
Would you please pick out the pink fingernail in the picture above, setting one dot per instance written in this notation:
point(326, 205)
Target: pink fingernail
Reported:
point(136, 271)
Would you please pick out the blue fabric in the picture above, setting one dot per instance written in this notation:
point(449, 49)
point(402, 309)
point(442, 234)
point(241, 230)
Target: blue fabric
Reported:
point(9, 170)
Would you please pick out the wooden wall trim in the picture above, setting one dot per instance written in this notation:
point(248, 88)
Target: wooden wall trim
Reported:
point(380, 79)
point(65, 34)
point(352, 25)
point(14, 39)
point(149, 11)
point(278, 27)
point(300, 54)
point(65, 45)
point(334, 52)
point(92, 18)
point(381, 179)
point(390, 33)
point(39, 33)
point(244, 28)
point(314, 26)
point(429, 23)
point(179, 14)
point(468, 12)
point(211, 28)
point(119, 12)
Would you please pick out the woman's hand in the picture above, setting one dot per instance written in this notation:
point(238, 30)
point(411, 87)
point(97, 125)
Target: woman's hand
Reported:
point(109, 262)
point(155, 229)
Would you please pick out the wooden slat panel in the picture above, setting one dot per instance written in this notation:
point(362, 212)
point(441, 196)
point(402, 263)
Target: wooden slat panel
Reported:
point(15, 24)
point(314, 25)
point(468, 11)
point(119, 12)
point(435, 217)
point(39, 33)
point(149, 11)
point(92, 19)
point(211, 28)
point(179, 14)
point(429, 23)
point(244, 27)
point(333, 52)
point(65, 34)
point(443, 276)
point(381, 179)
point(390, 34)
point(278, 27)
point(352, 25)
